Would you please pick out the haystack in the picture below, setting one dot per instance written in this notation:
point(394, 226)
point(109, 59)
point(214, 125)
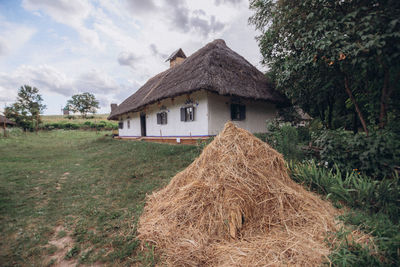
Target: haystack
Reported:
point(236, 205)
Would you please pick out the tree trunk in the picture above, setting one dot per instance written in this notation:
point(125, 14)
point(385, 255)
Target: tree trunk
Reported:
point(360, 116)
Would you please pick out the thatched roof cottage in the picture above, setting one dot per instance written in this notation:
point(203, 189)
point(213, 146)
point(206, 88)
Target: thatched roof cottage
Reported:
point(4, 120)
point(197, 95)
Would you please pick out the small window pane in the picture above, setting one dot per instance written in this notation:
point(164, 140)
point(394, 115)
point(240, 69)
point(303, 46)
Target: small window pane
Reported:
point(238, 112)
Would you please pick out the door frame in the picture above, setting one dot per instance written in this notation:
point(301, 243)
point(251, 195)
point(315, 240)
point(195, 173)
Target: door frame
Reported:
point(143, 124)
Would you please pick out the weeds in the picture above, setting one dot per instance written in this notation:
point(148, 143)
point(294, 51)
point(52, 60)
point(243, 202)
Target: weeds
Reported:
point(350, 188)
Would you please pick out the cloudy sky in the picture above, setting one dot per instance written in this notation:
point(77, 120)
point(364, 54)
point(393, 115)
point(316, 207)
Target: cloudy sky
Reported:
point(108, 48)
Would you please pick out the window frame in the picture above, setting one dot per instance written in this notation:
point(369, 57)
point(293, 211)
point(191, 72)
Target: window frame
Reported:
point(162, 118)
point(188, 113)
point(238, 112)
point(121, 125)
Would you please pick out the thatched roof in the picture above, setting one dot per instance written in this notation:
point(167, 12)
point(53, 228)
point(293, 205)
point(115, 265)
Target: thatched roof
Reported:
point(215, 68)
point(2, 118)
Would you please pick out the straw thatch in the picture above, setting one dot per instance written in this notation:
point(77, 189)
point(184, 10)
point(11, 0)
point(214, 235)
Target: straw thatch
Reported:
point(8, 122)
point(215, 68)
point(235, 205)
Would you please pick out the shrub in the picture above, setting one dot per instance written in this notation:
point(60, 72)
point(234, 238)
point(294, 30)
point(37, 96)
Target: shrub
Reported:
point(351, 188)
point(285, 139)
point(375, 155)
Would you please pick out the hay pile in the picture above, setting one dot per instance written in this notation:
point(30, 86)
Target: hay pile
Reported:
point(235, 205)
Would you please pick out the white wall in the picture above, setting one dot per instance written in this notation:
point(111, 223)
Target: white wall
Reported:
point(134, 129)
point(212, 111)
point(257, 113)
point(174, 126)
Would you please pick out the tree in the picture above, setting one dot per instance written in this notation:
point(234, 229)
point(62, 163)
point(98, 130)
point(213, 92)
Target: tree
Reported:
point(83, 103)
point(334, 58)
point(27, 109)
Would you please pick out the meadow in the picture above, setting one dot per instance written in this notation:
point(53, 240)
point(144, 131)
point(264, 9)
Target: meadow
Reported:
point(76, 196)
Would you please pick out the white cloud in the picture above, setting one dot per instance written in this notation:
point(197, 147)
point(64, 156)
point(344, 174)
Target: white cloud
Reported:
point(13, 36)
point(69, 12)
point(44, 77)
point(96, 81)
point(121, 43)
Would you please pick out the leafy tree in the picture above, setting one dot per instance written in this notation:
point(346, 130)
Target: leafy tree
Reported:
point(27, 109)
point(83, 103)
point(334, 58)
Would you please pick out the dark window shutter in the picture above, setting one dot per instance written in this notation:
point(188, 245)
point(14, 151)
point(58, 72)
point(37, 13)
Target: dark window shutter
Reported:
point(193, 113)
point(242, 112)
point(166, 117)
point(183, 114)
point(233, 112)
point(158, 118)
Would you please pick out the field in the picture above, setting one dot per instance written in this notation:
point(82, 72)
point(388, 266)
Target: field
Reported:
point(77, 118)
point(79, 190)
point(75, 197)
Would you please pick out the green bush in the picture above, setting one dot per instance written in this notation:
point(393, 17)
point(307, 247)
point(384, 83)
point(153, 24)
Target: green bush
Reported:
point(285, 139)
point(351, 188)
point(375, 155)
point(102, 125)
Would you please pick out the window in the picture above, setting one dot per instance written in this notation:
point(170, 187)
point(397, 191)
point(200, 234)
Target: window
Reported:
point(162, 118)
point(238, 112)
point(121, 125)
point(128, 123)
point(187, 113)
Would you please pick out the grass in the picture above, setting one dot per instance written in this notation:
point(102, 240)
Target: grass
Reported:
point(88, 184)
point(78, 118)
point(87, 187)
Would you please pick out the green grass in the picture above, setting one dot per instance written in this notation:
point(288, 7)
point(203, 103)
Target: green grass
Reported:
point(77, 118)
point(90, 185)
point(87, 187)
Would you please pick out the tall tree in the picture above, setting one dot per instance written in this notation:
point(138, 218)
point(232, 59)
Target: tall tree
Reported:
point(28, 107)
point(83, 103)
point(323, 54)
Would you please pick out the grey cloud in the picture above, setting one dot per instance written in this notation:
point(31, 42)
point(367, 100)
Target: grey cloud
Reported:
point(233, 2)
point(2, 48)
point(206, 27)
point(141, 6)
point(184, 21)
point(127, 59)
point(155, 52)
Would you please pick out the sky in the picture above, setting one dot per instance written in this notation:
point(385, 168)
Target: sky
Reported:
point(109, 47)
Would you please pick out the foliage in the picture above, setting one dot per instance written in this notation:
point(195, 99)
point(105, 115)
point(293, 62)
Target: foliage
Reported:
point(339, 60)
point(351, 188)
point(386, 233)
point(347, 252)
point(27, 109)
point(286, 139)
point(375, 155)
point(87, 125)
point(83, 103)
point(375, 210)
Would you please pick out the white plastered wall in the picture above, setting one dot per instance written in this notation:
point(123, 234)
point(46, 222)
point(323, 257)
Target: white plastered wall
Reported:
point(257, 114)
point(174, 126)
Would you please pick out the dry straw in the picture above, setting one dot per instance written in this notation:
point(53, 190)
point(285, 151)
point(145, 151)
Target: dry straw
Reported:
point(235, 205)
